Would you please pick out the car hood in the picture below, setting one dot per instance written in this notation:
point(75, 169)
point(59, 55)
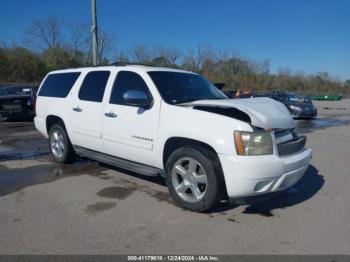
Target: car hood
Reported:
point(263, 112)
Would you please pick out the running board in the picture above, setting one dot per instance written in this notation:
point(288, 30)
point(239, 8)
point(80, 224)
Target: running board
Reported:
point(119, 162)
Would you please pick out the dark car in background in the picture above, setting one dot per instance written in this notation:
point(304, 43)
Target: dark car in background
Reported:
point(17, 102)
point(299, 106)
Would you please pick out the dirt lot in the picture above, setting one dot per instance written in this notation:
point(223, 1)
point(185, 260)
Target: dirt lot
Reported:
point(90, 208)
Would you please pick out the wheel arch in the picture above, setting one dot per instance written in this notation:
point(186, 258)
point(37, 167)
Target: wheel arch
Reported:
point(174, 143)
point(53, 119)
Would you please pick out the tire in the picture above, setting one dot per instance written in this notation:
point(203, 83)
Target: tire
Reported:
point(60, 146)
point(181, 186)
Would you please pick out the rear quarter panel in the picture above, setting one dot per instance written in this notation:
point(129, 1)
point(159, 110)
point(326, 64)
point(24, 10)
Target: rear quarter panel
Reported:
point(61, 107)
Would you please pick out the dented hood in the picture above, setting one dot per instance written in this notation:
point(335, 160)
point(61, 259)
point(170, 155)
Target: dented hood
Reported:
point(263, 112)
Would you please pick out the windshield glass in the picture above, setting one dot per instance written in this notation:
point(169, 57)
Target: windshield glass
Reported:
point(177, 88)
point(15, 90)
point(294, 98)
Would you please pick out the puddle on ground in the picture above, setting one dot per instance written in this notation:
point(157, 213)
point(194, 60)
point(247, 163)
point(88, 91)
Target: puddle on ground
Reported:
point(99, 207)
point(15, 179)
point(116, 192)
point(161, 196)
point(20, 148)
point(17, 156)
point(311, 125)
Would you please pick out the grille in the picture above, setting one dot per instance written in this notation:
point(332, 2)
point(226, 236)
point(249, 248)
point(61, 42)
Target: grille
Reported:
point(292, 146)
point(12, 107)
point(282, 132)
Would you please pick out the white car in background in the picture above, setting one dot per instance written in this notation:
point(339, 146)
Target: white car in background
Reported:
point(174, 123)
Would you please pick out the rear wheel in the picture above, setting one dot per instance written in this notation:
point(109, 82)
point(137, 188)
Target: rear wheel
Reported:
point(60, 146)
point(194, 178)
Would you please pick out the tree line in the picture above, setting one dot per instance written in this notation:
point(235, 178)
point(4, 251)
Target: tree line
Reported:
point(51, 44)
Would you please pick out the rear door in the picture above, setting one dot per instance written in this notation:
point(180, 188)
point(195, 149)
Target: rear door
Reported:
point(87, 110)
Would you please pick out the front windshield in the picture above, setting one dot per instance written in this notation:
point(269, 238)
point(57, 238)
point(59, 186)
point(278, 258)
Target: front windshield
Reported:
point(15, 90)
point(294, 98)
point(177, 88)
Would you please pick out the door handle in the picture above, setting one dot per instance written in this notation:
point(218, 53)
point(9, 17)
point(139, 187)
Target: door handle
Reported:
point(111, 114)
point(77, 109)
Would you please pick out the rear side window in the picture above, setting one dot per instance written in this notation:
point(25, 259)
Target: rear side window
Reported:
point(127, 81)
point(93, 86)
point(58, 85)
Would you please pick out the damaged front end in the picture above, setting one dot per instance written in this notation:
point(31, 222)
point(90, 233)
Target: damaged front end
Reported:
point(260, 112)
point(270, 120)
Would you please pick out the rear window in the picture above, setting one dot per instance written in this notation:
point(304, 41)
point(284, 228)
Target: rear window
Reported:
point(93, 86)
point(58, 85)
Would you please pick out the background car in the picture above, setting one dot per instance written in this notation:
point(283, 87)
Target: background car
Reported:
point(17, 102)
point(299, 106)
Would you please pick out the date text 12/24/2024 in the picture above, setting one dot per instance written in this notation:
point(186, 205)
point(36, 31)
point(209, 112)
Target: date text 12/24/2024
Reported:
point(173, 258)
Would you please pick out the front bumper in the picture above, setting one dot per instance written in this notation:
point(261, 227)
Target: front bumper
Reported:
point(247, 176)
point(16, 113)
point(304, 113)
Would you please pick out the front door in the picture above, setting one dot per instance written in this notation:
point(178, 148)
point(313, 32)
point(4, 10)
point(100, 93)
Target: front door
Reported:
point(130, 131)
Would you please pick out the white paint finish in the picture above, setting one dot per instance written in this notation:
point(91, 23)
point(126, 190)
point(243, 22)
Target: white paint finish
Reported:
point(134, 131)
point(87, 124)
point(264, 112)
point(242, 173)
point(140, 135)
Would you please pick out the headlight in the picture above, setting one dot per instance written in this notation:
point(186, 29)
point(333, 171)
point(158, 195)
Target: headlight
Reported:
point(29, 102)
point(253, 143)
point(295, 108)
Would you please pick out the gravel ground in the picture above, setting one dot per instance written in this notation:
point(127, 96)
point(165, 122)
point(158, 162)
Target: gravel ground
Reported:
point(91, 208)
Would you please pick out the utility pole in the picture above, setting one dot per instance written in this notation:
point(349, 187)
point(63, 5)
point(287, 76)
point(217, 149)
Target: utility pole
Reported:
point(94, 33)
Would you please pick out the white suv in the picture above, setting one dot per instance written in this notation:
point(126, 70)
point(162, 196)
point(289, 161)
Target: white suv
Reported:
point(174, 123)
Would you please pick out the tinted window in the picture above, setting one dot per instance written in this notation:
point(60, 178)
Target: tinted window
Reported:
point(127, 81)
point(178, 88)
point(58, 85)
point(93, 86)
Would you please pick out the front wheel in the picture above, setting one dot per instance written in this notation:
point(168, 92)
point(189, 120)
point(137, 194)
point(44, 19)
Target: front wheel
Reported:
point(194, 178)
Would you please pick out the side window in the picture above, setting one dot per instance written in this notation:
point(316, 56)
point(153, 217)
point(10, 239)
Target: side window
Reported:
point(93, 86)
point(125, 81)
point(58, 85)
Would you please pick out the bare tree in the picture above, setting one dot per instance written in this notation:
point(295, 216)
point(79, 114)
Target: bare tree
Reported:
point(170, 55)
point(79, 40)
point(122, 56)
point(105, 46)
point(201, 58)
point(44, 34)
point(141, 54)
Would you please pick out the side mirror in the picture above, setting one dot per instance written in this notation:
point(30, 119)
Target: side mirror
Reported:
point(136, 98)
